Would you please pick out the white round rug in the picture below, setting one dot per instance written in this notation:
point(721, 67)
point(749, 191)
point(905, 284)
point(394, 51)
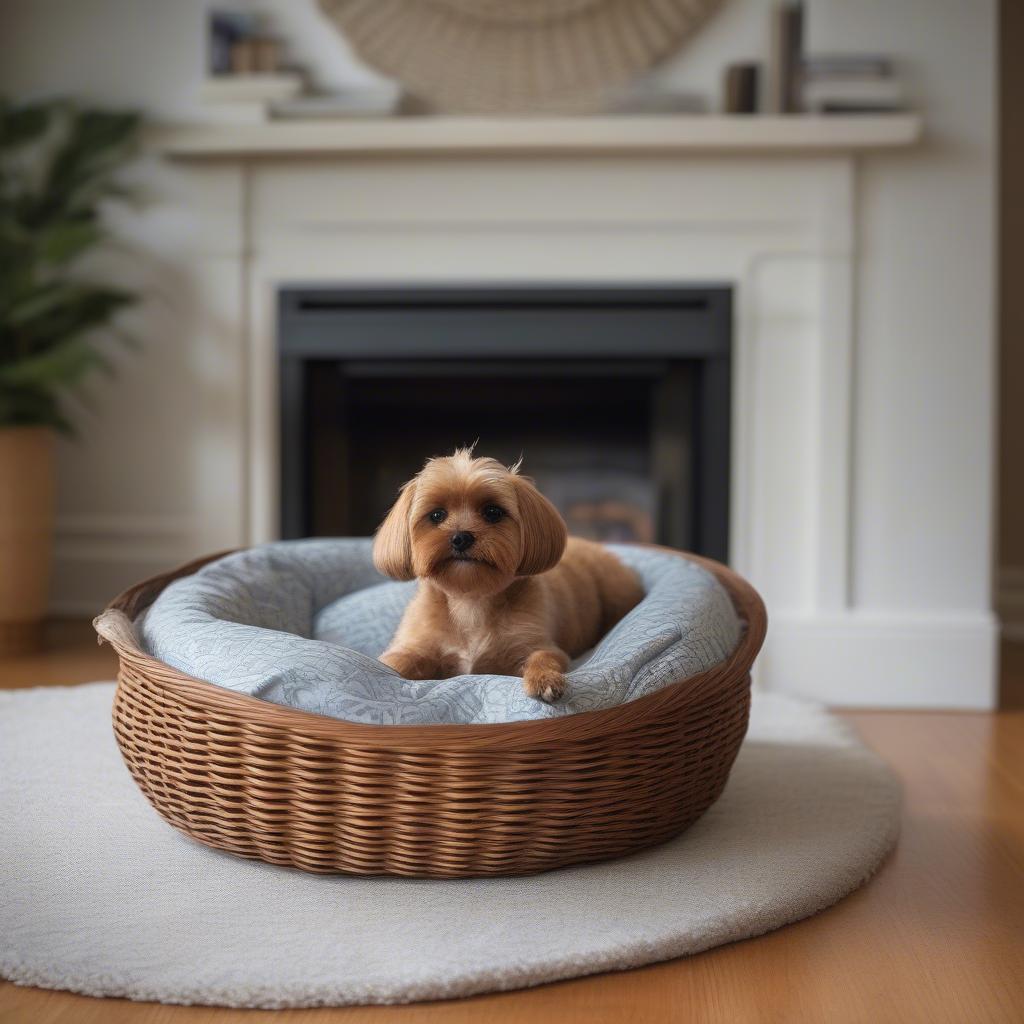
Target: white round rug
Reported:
point(100, 896)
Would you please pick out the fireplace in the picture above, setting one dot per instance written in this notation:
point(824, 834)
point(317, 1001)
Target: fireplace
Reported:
point(837, 499)
point(618, 399)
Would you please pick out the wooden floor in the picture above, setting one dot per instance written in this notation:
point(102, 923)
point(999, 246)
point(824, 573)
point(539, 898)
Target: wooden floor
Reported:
point(937, 935)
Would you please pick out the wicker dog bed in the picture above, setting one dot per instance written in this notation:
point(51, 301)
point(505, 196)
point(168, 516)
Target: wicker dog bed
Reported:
point(443, 801)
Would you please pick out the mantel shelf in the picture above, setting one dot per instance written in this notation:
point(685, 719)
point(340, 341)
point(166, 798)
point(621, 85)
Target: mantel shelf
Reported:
point(737, 134)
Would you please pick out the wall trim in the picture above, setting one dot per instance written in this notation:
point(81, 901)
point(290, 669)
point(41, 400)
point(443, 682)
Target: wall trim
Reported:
point(117, 527)
point(96, 556)
point(923, 659)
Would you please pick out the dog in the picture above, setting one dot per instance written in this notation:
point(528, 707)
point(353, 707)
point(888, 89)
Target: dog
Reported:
point(503, 589)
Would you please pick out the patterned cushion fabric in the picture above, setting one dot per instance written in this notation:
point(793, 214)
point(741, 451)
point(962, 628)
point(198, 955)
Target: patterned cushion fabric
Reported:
point(301, 623)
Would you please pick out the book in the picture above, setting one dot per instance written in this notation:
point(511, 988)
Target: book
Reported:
point(835, 93)
point(246, 99)
point(838, 107)
point(254, 88)
point(224, 30)
point(847, 65)
point(367, 102)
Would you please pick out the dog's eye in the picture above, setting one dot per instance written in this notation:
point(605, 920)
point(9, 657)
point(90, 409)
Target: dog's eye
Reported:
point(438, 515)
point(492, 513)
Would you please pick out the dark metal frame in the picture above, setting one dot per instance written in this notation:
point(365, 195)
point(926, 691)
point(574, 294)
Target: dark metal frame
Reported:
point(496, 326)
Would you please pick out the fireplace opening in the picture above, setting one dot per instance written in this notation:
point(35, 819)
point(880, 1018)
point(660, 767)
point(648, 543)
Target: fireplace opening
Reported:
point(618, 399)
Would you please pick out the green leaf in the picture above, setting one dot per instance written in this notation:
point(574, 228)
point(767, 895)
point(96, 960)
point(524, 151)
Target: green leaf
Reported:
point(64, 365)
point(31, 407)
point(58, 307)
point(42, 301)
point(64, 241)
point(58, 163)
point(97, 142)
point(21, 125)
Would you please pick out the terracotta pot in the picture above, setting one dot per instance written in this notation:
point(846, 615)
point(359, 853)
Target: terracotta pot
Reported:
point(26, 534)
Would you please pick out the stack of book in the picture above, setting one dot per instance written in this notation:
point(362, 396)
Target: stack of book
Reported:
point(850, 84)
point(829, 83)
point(247, 99)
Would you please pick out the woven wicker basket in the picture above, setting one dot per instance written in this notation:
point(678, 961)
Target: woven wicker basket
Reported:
point(439, 801)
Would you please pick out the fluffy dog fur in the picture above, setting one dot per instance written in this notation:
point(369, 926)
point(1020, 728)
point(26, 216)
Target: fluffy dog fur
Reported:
point(502, 590)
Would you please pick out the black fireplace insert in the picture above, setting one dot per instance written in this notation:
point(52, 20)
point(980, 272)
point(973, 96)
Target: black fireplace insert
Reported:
point(617, 398)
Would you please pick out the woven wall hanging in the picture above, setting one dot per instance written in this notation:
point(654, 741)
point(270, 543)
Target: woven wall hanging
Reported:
point(515, 56)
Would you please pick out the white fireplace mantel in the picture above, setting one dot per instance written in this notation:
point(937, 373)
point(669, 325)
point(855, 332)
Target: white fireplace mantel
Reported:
point(579, 135)
point(768, 206)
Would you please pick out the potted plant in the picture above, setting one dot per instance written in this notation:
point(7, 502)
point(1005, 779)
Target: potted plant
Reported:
point(57, 167)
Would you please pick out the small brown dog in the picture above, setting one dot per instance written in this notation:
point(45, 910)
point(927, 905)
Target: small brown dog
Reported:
point(503, 590)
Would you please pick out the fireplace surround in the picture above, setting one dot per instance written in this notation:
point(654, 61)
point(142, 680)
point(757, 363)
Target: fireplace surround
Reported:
point(876, 596)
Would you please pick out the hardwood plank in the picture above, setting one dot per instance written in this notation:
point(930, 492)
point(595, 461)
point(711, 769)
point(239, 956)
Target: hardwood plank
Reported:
point(937, 936)
point(72, 655)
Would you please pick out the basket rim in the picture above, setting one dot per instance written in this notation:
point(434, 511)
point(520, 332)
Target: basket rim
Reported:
point(115, 626)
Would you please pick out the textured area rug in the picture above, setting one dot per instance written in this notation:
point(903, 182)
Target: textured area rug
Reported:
point(100, 896)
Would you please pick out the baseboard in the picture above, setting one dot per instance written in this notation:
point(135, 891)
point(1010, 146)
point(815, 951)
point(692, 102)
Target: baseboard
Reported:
point(1010, 602)
point(894, 660)
point(96, 557)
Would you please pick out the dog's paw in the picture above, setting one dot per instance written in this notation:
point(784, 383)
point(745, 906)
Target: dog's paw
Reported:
point(409, 665)
point(545, 684)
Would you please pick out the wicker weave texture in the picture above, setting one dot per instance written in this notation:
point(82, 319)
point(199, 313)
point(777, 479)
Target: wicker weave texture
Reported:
point(289, 787)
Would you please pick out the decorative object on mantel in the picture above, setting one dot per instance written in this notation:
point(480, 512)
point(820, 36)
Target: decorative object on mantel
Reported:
point(245, 76)
point(247, 99)
point(851, 84)
point(57, 165)
point(501, 56)
point(224, 30)
point(247, 83)
point(826, 84)
point(787, 55)
point(740, 89)
point(239, 46)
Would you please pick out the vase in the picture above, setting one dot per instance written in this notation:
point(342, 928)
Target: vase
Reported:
point(26, 535)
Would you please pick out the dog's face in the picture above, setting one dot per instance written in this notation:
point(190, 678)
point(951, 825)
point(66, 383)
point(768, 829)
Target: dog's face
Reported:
point(469, 525)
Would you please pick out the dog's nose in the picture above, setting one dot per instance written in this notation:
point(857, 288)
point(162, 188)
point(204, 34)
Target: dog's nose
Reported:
point(462, 541)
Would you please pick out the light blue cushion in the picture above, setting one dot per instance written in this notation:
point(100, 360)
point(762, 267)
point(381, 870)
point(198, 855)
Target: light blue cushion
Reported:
point(301, 623)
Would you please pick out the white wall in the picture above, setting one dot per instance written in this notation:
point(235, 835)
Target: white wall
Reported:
point(923, 410)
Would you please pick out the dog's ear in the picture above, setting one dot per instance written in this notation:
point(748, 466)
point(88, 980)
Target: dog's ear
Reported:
point(392, 546)
point(541, 527)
